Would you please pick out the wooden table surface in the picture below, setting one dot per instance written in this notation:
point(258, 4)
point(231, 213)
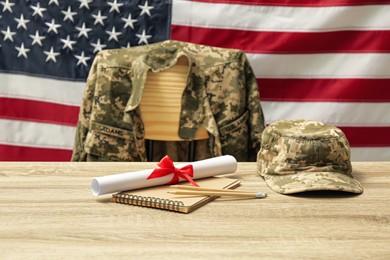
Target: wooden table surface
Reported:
point(47, 211)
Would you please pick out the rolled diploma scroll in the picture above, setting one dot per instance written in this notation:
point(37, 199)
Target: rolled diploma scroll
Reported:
point(138, 179)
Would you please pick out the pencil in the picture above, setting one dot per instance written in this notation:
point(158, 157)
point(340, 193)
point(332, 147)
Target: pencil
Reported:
point(199, 191)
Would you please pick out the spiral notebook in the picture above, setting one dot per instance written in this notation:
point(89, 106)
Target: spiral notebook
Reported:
point(158, 197)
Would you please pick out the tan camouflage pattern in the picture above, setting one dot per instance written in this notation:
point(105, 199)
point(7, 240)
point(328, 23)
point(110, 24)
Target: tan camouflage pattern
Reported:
point(303, 155)
point(221, 95)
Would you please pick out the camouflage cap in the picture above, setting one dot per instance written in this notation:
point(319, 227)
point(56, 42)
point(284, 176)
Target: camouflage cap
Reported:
point(301, 155)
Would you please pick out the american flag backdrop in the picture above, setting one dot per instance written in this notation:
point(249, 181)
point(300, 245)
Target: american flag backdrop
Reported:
point(321, 60)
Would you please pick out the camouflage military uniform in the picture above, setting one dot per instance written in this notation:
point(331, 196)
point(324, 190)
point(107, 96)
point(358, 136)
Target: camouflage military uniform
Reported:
point(221, 95)
point(303, 155)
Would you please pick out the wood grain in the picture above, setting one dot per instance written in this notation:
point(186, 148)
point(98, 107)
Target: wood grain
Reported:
point(48, 211)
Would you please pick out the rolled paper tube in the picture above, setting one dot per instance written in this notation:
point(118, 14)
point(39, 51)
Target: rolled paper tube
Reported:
point(138, 179)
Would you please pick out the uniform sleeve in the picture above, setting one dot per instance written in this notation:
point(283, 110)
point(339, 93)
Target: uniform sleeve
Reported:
point(83, 123)
point(256, 116)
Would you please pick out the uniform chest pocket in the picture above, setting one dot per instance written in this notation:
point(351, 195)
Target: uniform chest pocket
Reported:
point(110, 143)
point(234, 137)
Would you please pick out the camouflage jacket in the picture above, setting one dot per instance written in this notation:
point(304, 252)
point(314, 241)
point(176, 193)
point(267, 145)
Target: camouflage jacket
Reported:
point(221, 95)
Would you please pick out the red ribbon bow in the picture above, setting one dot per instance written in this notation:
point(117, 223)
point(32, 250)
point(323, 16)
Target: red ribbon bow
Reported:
point(167, 167)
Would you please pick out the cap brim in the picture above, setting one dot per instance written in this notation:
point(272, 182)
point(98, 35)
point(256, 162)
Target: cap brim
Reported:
point(312, 181)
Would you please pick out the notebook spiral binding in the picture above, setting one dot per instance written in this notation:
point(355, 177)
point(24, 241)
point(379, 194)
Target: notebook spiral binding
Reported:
point(148, 201)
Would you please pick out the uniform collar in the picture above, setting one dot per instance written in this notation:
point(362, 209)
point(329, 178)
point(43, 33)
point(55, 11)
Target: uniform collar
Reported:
point(164, 57)
point(157, 57)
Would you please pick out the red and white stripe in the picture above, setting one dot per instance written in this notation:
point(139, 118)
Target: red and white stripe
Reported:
point(321, 60)
point(38, 117)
